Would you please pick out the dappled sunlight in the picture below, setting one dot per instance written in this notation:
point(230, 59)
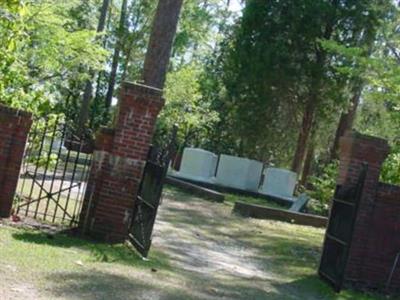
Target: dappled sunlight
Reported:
point(200, 251)
point(240, 258)
point(95, 284)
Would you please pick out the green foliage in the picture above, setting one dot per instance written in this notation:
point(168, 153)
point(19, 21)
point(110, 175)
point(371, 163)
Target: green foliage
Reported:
point(231, 199)
point(323, 188)
point(198, 29)
point(40, 141)
point(13, 73)
point(41, 50)
point(378, 116)
point(186, 108)
point(391, 168)
point(379, 111)
point(273, 63)
point(135, 37)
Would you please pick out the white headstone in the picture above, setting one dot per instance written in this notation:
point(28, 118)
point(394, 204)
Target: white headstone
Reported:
point(279, 183)
point(239, 173)
point(197, 164)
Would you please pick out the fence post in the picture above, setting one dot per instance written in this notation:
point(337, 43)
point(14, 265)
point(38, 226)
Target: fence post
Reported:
point(14, 129)
point(118, 163)
point(355, 150)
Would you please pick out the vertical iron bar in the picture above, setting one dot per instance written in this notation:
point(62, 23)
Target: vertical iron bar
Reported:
point(37, 166)
point(82, 180)
point(25, 164)
point(62, 180)
point(73, 177)
point(85, 181)
point(389, 281)
point(55, 168)
point(43, 188)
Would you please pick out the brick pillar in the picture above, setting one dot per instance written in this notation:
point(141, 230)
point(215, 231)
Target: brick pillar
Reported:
point(119, 159)
point(14, 129)
point(355, 149)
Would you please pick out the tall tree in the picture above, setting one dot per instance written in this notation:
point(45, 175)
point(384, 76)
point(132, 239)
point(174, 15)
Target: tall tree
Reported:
point(347, 118)
point(316, 81)
point(116, 55)
point(88, 91)
point(351, 24)
point(275, 76)
point(161, 40)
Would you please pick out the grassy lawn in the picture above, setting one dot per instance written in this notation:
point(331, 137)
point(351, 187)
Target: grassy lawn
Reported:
point(230, 200)
point(200, 251)
point(67, 199)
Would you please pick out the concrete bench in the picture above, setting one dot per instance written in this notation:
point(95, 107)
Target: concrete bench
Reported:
point(300, 203)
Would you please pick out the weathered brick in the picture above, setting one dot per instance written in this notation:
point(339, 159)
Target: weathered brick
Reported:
point(14, 129)
point(119, 159)
point(376, 234)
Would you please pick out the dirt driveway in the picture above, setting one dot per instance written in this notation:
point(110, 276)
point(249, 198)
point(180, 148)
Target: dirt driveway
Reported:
point(223, 256)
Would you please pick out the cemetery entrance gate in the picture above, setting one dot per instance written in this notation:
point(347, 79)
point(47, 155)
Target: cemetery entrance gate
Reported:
point(149, 196)
point(339, 233)
point(54, 173)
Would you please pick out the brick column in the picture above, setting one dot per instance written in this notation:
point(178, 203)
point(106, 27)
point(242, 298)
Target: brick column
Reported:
point(119, 159)
point(355, 149)
point(14, 129)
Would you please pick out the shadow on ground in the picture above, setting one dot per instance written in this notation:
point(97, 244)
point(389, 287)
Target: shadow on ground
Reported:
point(100, 285)
point(99, 252)
point(95, 284)
point(200, 251)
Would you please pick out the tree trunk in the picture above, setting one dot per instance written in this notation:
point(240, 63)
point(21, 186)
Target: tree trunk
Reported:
point(309, 159)
point(115, 60)
point(308, 118)
point(162, 36)
point(346, 120)
point(130, 48)
point(101, 74)
point(314, 99)
point(87, 94)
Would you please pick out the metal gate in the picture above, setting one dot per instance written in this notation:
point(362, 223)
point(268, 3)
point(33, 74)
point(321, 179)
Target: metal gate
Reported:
point(54, 173)
point(339, 233)
point(149, 196)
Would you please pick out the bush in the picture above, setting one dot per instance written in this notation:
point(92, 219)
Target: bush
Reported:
point(391, 169)
point(323, 188)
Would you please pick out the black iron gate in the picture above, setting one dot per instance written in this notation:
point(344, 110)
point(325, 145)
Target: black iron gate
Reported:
point(149, 196)
point(339, 233)
point(54, 173)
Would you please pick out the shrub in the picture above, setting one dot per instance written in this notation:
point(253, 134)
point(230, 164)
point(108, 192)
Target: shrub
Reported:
point(323, 188)
point(391, 169)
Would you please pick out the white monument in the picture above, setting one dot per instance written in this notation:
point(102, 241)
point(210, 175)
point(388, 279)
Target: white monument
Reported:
point(239, 173)
point(197, 164)
point(279, 183)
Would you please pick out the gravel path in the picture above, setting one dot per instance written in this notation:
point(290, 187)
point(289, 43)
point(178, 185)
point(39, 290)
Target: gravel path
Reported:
point(203, 241)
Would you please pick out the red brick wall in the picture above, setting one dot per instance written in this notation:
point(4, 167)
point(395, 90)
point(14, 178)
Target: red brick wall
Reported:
point(376, 235)
point(14, 129)
point(384, 239)
point(118, 163)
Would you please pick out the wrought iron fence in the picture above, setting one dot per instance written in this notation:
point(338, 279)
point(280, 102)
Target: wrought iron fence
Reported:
point(149, 195)
point(54, 172)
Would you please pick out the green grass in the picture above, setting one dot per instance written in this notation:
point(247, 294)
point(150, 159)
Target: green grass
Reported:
point(64, 267)
point(230, 199)
point(27, 187)
point(61, 252)
point(198, 248)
